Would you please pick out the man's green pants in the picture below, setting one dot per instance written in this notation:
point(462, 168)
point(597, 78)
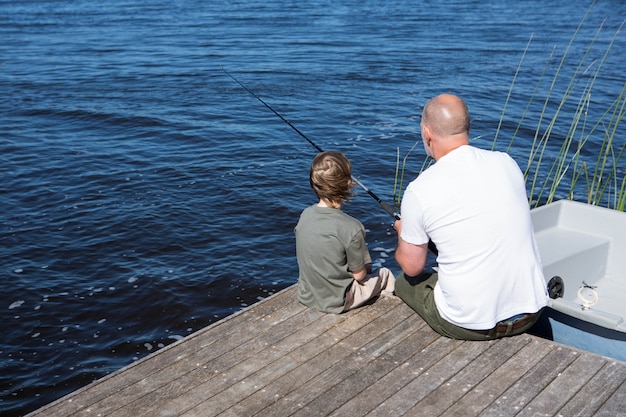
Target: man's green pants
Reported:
point(418, 293)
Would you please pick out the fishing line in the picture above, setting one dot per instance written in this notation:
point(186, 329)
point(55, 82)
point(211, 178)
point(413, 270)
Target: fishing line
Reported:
point(387, 207)
point(391, 210)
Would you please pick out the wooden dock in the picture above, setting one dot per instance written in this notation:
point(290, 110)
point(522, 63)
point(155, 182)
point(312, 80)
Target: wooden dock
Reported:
point(278, 358)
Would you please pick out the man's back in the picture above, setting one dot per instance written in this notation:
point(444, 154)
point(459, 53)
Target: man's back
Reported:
point(472, 204)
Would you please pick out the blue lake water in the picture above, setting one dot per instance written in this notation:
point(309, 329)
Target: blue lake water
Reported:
point(146, 195)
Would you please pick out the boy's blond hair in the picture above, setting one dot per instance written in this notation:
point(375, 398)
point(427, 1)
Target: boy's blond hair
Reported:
point(331, 177)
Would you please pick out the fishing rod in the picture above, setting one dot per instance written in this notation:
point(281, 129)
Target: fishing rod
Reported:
point(387, 207)
point(391, 210)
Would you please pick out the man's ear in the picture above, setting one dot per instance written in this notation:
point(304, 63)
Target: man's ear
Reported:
point(426, 136)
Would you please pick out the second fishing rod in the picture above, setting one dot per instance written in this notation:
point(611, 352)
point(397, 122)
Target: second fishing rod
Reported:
point(391, 210)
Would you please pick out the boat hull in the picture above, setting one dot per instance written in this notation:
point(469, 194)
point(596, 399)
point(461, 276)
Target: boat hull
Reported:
point(580, 334)
point(585, 246)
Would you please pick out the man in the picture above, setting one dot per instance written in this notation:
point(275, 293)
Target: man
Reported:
point(335, 266)
point(472, 204)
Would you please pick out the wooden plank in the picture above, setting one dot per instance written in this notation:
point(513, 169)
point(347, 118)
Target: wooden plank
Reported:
point(334, 388)
point(327, 349)
point(231, 367)
point(205, 367)
point(615, 405)
point(455, 388)
point(565, 386)
point(430, 375)
point(310, 396)
point(379, 380)
point(513, 400)
point(279, 358)
point(598, 391)
point(236, 328)
point(502, 378)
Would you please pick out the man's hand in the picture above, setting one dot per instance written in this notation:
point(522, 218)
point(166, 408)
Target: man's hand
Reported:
point(397, 226)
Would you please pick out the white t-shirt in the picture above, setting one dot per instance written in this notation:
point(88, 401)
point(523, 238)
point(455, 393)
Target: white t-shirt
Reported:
point(472, 204)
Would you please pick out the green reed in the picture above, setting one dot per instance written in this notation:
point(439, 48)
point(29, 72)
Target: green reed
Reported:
point(572, 173)
point(399, 178)
point(546, 178)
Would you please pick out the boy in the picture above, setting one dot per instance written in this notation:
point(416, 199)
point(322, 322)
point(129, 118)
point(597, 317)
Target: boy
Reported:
point(335, 265)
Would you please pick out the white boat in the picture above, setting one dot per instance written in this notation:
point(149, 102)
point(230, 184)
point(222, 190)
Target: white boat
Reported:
point(584, 246)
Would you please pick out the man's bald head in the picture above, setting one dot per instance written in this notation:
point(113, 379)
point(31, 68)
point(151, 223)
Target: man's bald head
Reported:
point(446, 115)
point(445, 125)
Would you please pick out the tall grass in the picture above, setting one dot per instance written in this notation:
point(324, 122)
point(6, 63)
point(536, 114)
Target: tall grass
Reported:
point(568, 120)
point(568, 175)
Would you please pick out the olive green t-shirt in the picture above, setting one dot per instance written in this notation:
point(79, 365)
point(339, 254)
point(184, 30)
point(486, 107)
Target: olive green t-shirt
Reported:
point(329, 245)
